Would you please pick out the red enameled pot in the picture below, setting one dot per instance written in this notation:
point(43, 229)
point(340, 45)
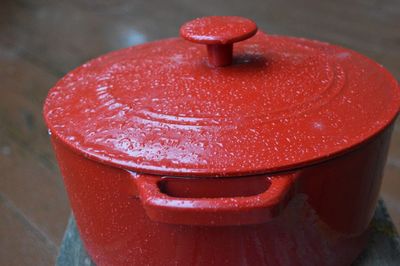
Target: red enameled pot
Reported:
point(268, 151)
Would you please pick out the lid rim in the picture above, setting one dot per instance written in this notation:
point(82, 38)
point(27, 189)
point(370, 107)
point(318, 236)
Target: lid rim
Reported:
point(180, 172)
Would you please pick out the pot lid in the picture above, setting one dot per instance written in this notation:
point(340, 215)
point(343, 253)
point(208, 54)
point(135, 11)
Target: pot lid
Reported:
point(166, 107)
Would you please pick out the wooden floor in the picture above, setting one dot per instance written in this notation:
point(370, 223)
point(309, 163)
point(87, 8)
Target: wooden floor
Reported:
point(42, 40)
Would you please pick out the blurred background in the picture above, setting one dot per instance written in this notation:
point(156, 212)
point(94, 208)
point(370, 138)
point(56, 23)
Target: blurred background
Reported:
point(41, 40)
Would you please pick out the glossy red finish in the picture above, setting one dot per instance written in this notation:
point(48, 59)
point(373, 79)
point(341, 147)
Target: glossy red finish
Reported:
point(251, 209)
point(324, 223)
point(160, 108)
point(276, 159)
point(218, 30)
point(218, 33)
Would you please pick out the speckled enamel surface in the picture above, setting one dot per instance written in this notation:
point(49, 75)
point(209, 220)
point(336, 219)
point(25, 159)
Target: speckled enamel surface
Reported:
point(160, 108)
point(218, 29)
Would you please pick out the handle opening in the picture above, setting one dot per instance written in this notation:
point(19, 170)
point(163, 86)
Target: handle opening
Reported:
point(213, 187)
point(218, 211)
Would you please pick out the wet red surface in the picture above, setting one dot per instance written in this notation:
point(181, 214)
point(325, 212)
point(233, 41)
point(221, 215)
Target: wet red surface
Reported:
point(40, 42)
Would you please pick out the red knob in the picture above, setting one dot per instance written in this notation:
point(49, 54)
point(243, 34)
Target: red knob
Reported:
point(219, 33)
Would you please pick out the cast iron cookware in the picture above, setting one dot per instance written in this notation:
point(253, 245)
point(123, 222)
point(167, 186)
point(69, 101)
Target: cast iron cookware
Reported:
point(256, 150)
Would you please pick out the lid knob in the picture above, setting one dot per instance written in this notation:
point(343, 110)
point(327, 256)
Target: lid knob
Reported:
point(218, 33)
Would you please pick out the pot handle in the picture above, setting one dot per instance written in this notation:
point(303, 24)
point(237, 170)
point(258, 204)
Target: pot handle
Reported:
point(241, 210)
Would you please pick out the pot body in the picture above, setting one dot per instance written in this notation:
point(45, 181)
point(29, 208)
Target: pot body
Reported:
point(323, 221)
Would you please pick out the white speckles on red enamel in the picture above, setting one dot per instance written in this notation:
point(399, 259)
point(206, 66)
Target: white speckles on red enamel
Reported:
point(161, 108)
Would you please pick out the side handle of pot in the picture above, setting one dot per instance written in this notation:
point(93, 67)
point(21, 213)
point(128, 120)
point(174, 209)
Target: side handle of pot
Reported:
point(222, 211)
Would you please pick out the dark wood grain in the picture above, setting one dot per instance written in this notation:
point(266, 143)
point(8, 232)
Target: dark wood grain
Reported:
point(19, 234)
point(31, 181)
point(41, 40)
